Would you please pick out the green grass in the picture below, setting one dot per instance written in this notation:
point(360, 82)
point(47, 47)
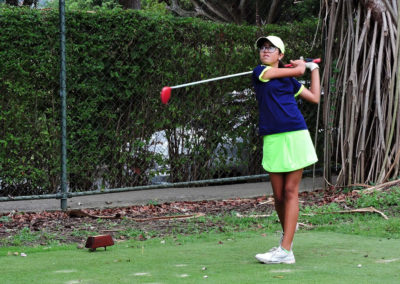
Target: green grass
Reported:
point(322, 257)
point(329, 250)
point(358, 224)
point(377, 199)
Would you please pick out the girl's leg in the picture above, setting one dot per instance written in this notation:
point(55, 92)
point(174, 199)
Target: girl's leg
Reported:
point(291, 206)
point(278, 182)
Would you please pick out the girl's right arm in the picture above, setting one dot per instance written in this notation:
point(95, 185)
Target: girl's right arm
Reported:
point(313, 95)
point(297, 70)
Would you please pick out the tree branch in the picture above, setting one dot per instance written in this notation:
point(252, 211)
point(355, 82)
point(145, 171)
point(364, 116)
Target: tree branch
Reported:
point(174, 7)
point(216, 10)
point(272, 11)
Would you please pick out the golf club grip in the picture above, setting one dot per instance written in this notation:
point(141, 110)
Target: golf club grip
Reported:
point(315, 60)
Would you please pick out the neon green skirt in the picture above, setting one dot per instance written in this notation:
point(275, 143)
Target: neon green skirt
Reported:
point(288, 151)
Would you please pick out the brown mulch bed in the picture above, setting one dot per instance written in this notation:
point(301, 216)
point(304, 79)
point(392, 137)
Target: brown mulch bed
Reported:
point(142, 221)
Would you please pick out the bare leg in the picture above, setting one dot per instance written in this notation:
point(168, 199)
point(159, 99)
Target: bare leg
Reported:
point(278, 182)
point(291, 206)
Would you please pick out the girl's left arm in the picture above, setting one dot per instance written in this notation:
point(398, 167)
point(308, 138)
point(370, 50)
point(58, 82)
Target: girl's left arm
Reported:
point(313, 94)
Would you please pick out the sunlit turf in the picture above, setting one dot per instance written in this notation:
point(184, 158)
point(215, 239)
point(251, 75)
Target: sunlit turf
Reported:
point(329, 248)
point(321, 257)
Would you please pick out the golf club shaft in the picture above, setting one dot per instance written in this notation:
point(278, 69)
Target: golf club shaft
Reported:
point(233, 75)
point(210, 80)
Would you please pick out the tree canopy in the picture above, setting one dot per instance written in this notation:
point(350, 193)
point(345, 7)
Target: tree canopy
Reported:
point(245, 11)
point(252, 12)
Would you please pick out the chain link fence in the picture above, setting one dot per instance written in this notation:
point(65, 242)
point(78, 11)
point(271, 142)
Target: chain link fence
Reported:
point(127, 136)
point(119, 135)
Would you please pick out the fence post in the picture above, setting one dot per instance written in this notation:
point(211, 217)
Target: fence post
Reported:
point(63, 95)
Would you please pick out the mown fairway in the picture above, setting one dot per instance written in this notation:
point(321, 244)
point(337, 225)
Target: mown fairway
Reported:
point(322, 257)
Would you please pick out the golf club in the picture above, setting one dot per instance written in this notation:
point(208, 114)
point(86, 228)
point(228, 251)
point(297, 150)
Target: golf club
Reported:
point(166, 91)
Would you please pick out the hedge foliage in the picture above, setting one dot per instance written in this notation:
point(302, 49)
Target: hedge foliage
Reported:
point(117, 63)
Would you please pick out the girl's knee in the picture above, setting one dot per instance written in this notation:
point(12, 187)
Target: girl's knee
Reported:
point(279, 199)
point(291, 192)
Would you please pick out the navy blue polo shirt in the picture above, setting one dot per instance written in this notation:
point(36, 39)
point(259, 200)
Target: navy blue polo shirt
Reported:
point(278, 110)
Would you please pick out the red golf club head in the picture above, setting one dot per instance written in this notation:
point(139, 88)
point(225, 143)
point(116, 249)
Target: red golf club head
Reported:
point(165, 94)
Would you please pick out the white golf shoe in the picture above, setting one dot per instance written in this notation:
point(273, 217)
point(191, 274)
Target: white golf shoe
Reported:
point(280, 242)
point(262, 256)
point(276, 256)
point(268, 254)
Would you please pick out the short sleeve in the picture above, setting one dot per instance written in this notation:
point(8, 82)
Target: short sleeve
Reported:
point(259, 71)
point(297, 87)
point(299, 91)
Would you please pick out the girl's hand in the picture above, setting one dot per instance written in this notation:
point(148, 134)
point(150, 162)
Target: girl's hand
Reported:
point(314, 94)
point(300, 64)
point(311, 66)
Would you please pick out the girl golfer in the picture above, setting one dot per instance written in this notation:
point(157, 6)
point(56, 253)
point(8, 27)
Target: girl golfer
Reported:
point(287, 145)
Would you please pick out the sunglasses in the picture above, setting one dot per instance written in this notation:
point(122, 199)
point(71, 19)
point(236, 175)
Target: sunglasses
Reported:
point(268, 48)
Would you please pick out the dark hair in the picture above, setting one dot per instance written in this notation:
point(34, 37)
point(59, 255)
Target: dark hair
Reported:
point(281, 65)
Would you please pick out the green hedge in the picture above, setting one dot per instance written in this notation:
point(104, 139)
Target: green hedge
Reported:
point(117, 63)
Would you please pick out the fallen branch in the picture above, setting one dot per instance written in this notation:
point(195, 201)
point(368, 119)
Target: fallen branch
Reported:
point(380, 187)
point(251, 216)
point(169, 217)
point(77, 213)
point(370, 188)
point(270, 200)
point(385, 185)
point(361, 210)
